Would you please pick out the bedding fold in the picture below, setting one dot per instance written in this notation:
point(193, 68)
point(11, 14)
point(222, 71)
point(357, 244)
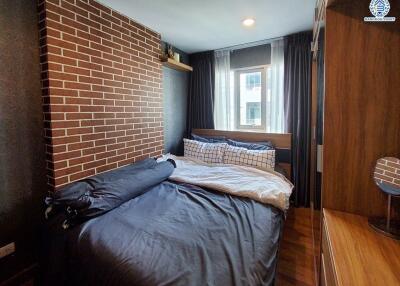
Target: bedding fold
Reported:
point(265, 186)
point(97, 195)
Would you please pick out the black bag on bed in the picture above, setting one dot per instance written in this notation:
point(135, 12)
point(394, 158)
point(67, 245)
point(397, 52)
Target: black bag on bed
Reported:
point(99, 194)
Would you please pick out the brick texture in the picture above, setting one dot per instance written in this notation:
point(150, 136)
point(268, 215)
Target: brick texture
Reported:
point(387, 170)
point(101, 87)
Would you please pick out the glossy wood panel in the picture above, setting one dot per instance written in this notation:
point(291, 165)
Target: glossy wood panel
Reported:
point(329, 274)
point(317, 129)
point(313, 153)
point(360, 255)
point(315, 213)
point(362, 105)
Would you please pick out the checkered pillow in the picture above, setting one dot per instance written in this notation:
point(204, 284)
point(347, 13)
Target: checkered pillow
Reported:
point(253, 158)
point(206, 152)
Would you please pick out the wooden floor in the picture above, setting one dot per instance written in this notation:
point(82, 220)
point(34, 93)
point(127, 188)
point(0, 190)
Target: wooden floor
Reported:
point(295, 264)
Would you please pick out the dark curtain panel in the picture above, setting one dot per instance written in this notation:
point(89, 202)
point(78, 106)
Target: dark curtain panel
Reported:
point(201, 92)
point(297, 102)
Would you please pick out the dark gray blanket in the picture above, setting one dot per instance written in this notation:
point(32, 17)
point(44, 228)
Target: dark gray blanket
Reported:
point(170, 235)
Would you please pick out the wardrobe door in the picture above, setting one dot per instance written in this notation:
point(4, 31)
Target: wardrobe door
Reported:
point(318, 129)
point(320, 114)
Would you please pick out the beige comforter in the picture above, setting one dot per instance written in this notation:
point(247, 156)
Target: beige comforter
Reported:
point(265, 186)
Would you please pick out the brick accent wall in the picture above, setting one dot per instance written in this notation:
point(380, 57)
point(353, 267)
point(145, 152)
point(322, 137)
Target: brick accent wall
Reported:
point(101, 87)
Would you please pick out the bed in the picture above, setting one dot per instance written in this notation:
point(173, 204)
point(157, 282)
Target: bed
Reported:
point(183, 225)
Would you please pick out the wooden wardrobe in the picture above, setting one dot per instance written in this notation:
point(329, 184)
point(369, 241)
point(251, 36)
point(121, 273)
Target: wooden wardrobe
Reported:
point(360, 111)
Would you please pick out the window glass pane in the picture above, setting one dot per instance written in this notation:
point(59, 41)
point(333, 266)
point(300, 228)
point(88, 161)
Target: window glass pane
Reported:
point(250, 99)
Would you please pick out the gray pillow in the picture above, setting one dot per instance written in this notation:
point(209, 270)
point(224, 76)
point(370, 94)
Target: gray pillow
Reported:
point(209, 139)
point(266, 145)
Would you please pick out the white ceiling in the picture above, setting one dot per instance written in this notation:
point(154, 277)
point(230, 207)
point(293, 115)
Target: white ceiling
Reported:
point(200, 25)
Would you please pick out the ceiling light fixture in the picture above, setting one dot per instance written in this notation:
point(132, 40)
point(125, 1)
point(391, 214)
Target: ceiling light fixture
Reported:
point(248, 22)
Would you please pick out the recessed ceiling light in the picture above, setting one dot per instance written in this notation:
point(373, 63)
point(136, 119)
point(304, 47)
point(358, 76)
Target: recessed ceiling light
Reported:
point(248, 22)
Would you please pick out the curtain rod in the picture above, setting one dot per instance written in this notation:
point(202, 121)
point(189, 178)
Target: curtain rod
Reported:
point(249, 45)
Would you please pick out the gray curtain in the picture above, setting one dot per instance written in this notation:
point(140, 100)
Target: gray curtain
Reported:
point(297, 104)
point(201, 92)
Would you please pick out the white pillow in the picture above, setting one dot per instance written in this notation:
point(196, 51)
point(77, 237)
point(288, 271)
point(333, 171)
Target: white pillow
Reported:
point(206, 152)
point(253, 158)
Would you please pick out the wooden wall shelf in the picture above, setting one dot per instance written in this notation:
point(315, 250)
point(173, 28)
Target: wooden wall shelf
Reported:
point(171, 63)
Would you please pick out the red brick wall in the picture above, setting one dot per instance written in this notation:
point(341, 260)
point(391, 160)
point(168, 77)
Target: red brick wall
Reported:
point(102, 89)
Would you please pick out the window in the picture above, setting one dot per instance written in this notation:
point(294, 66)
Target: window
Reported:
point(250, 97)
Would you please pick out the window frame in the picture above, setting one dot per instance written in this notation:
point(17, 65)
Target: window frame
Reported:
point(264, 84)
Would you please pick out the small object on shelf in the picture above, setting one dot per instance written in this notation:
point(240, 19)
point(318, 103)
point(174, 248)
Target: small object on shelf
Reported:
point(171, 63)
point(177, 57)
point(170, 52)
point(387, 178)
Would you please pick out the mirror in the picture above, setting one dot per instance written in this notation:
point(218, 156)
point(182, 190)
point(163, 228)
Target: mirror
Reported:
point(387, 178)
point(387, 175)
